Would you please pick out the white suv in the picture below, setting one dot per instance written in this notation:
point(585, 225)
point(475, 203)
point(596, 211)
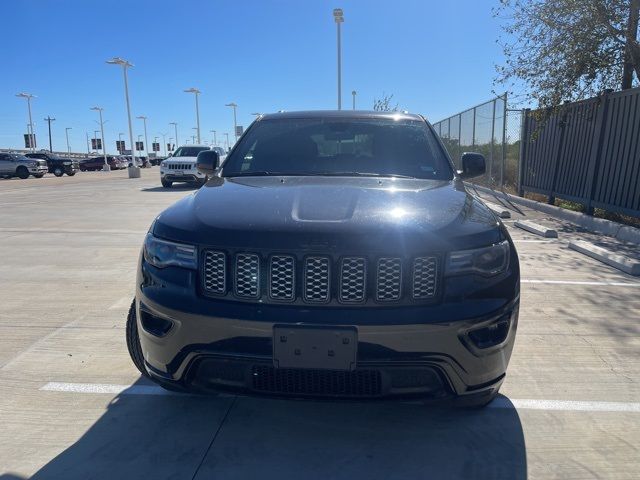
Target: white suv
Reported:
point(181, 166)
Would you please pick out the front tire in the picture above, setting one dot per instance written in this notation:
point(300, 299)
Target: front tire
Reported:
point(58, 172)
point(133, 340)
point(166, 183)
point(39, 175)
point(71, 174)
point(22, 173)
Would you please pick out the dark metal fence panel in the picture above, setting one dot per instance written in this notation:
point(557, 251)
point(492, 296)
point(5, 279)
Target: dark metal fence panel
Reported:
point(617, 183)
point(588, 152)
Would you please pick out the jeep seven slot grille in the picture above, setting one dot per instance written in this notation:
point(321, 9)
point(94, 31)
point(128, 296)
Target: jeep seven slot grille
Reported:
point(318, 279)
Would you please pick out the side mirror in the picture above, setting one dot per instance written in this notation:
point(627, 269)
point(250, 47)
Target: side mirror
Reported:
point(207, 162)
point(473, 165)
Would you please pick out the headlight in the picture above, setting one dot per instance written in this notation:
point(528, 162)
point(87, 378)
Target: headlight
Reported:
point(485, 261)
point(162, 164)
point(162, 253)
point(66, 163)
point(32, 164)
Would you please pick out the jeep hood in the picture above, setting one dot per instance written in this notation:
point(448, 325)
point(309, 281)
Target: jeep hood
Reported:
point(342, 214)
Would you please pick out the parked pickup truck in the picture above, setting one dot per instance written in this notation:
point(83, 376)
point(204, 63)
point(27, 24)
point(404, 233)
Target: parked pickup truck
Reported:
point(57, 165)
point(17, 165)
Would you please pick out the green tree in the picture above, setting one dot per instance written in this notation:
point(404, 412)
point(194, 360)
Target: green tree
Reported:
point(565, 50)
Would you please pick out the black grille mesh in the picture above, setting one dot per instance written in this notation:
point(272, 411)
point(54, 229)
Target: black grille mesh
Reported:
point(316, 382)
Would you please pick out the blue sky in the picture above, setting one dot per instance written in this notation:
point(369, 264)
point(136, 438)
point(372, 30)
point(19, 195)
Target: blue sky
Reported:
point(435, 57)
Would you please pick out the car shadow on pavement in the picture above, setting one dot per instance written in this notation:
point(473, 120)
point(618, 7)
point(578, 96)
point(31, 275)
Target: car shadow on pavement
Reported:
point(187, 436)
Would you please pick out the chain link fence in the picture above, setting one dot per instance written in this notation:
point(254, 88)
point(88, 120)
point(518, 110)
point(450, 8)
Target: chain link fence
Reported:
point(492, 130)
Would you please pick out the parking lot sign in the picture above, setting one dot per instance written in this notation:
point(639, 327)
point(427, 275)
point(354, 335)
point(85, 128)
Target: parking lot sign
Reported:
point(96, 143)
point(139, 146)
point(120, 146)
point(155, 147)
point(170, 147)
point(239, 130)
point(29, 141)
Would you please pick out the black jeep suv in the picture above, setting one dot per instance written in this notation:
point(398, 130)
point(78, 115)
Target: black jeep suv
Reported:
point(57, 165)
point(333, 254)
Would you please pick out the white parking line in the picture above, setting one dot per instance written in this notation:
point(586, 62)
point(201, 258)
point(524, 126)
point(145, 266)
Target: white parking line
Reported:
point(576, 282)
point(501, 402)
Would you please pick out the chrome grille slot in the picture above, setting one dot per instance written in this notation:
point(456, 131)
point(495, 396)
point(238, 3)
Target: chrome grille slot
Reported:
point(389, 279)
point(247, 278)
point(425, 272)
point(316, 279)
point(215, 274)
point(353, 273)
point(282, 277)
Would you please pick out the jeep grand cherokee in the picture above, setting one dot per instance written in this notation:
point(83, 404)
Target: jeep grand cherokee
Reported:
point(334, 254)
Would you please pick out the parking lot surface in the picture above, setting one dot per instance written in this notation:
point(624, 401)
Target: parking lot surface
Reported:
point(72, 404)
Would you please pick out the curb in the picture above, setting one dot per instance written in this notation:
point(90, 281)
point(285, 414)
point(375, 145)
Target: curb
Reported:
point(621, 262)
point(609, 228)
point(536, 228)
point(499, 210)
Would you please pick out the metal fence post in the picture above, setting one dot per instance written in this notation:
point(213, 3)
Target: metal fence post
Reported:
point(493, 129)
point(524, 140)
point(504, 141)
point(596, 153)
point(562, 123)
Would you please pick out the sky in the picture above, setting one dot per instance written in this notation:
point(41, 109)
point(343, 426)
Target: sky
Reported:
point(435, 57)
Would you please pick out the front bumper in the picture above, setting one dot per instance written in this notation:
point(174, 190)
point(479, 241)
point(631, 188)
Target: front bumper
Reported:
point(38, 170)
point(189, 176)
point(201, 344)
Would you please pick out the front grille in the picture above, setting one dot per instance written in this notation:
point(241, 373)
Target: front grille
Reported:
point(316, 279)
point(316, 382)
point(352, 279)
point(215, 272)
point(425, 271)
point(389, 279)
point(282, 277)
point(247, 275)
point(179, 166)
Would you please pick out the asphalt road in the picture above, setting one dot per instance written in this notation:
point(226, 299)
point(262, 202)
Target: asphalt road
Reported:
point(72, 406)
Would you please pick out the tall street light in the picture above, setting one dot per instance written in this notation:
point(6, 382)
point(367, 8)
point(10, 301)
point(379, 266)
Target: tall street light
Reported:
point(146, 141)
point(49, 120)
point(32, 138)
point(235, 123)
point(337, 16)
point(196, 92)
point(193, 137)
point(353, 94)
point(215, 140)
point(66, 132)
point(227, 135)
point(134, 171)
point(106, 167)
point(175, 126)
point(164, 142)
point(257, 114)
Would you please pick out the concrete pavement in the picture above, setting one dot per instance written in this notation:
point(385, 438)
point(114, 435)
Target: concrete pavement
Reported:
point(69, 250)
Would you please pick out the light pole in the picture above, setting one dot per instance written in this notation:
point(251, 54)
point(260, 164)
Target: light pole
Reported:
point(120, 151)
point(106, 167)
point(66, 133)
point(146, 141)
point(139, 141)
point(193, 137)
point(227, 135)
point(337, 16)
point(235, 124)
point(257, 114)
point(134, 171)
point(215, 140)
point(164, 142)
point(49, 120)
point(353, 94)
point(171, 141)
point(196, 92)
point(32, 138)
point(87, 135)
point(175, 125)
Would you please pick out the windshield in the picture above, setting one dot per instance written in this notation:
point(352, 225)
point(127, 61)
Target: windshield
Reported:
point(336, 146)
point(189, 151)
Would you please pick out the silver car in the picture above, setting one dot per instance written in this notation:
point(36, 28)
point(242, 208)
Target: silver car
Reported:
point(17, 165)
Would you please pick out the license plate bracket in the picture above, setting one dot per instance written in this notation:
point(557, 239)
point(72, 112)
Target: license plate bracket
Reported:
point(317, 347)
